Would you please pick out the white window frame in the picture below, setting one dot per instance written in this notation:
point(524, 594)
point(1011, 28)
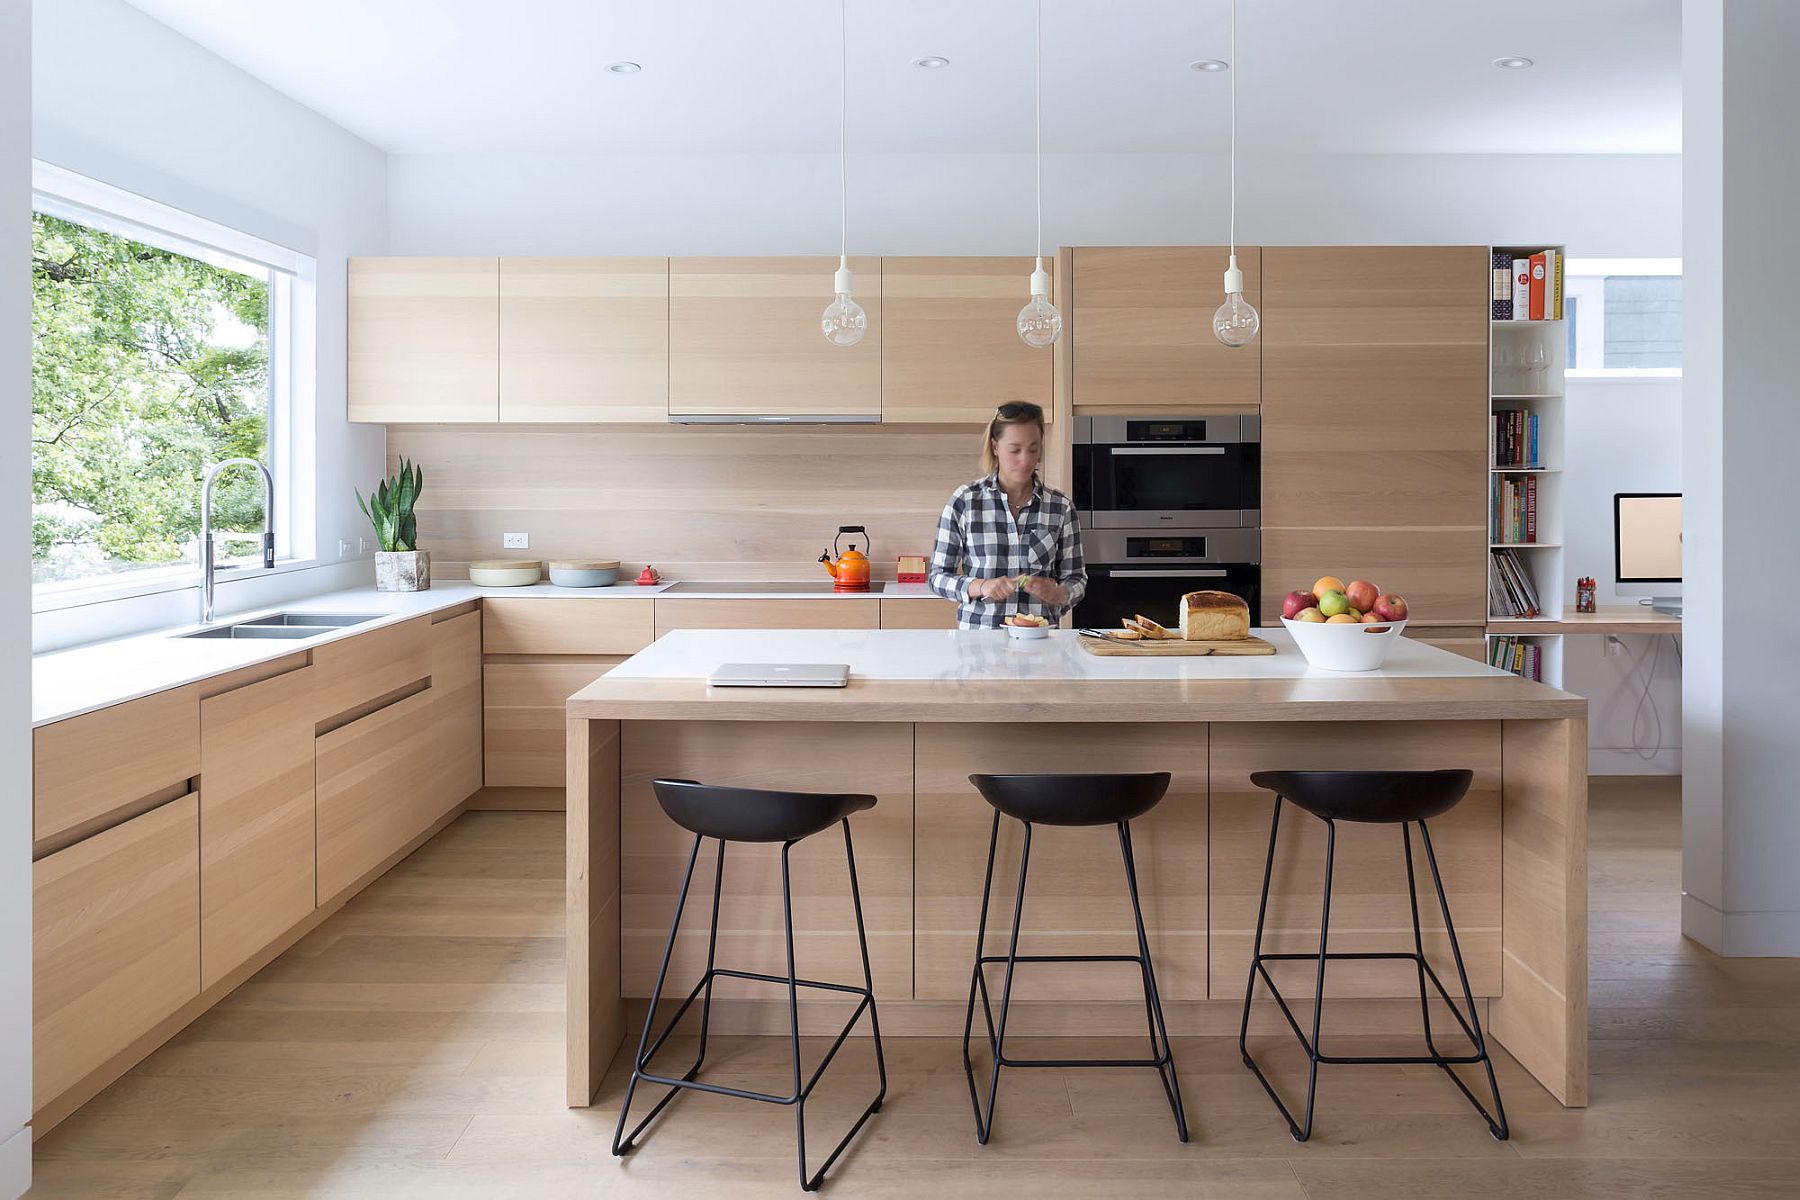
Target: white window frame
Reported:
point(292, 336)
point(1583, 279)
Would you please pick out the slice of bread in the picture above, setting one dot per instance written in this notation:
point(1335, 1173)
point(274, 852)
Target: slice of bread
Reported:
point(1211, 616)
point(1149, 628)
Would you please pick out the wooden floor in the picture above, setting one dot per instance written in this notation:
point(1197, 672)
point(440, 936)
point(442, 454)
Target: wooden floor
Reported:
point(412, 1047)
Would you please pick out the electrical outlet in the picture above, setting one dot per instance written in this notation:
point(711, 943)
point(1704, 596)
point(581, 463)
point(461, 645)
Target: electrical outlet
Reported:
point(362, 545)
point(343, 547)
point(1612, 646)
point(515, 541)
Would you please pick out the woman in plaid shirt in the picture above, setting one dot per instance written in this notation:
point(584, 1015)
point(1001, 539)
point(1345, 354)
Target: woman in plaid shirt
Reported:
point(1007, 543)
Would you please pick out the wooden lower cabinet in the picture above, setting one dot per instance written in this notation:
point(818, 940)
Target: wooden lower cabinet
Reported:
point(1470, 641)
point(115, 945)
point(1369, 910)
point(822, 613)
point(256, 818)
point(374, 790)
point(456, 720)
point(523, 716)
point(1075, 897)
point(918, 614)
point(543, 626)
point(88, 768)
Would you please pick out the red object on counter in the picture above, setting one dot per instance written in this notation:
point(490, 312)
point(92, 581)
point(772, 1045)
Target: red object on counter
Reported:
point(911, 569)
point(648, 576)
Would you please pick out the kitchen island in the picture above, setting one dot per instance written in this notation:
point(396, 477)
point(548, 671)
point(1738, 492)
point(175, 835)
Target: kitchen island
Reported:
point(924, 709)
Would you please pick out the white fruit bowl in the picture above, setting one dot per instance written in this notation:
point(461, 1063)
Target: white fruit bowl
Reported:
point(1344, 647)
point(1028, 633)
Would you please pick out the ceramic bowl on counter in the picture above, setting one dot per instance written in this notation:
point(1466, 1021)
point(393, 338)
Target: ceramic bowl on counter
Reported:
point(1345, 647)
point(506, 572)
point(586, 572)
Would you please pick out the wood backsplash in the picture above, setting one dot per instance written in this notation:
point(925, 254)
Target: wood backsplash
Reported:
point(700, 502)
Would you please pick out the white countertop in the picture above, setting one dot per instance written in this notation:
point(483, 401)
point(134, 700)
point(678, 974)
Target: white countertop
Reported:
point(67, 683)
point(990, 654)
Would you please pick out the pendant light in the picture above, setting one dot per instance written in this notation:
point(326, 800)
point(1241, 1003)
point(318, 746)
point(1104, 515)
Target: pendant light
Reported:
point(1236, 322)
point(844, 321)
point(1039, 323)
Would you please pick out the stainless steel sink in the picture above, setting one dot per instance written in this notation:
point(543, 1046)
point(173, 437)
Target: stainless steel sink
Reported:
point(285, 626)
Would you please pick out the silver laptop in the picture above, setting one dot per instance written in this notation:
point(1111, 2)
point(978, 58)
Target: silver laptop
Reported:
point(780, 675)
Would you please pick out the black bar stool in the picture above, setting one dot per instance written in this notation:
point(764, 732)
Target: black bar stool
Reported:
point(729, 814)
point(1065, 800)
point(1381, 797)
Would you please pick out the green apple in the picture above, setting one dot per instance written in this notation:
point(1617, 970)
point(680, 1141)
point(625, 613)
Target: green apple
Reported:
point(1334, 604)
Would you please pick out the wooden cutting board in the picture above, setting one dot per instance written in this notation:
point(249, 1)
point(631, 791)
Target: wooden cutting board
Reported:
point(1173, 648)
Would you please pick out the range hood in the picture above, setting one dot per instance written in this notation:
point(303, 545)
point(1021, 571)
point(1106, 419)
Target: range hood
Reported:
point(776, 419)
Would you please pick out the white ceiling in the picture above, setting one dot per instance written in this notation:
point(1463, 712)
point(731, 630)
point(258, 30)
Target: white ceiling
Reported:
point(1314, 76)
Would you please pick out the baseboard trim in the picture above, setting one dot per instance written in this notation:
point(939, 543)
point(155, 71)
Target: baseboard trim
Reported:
point(1607, 760)
point(518, 799)
point(1740, 934)
point(15, 1164)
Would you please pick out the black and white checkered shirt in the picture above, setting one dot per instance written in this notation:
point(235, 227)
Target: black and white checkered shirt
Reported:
point(977, 538)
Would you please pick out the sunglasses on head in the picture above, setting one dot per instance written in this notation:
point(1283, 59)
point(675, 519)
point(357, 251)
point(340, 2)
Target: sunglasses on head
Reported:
point(1013, 412)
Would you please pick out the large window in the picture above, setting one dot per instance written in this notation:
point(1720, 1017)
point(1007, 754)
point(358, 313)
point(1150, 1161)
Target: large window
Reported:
point(159, 348)
point(1623, 317)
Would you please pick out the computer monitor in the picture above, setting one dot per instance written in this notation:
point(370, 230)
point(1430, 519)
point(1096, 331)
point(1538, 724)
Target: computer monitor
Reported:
point(1647, 547)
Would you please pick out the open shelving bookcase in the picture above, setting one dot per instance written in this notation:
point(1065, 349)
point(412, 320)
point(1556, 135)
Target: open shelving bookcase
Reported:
point(1527, 368)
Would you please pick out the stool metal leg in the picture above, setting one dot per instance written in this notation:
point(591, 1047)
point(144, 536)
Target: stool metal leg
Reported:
point(978, 981)
point(984, 1125)
point(1165, 1056)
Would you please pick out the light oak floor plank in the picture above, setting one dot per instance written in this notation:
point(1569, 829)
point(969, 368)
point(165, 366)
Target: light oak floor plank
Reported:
point(412, 1047)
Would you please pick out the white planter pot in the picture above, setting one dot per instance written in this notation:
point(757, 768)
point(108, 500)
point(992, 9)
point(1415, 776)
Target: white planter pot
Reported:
point(402, 570)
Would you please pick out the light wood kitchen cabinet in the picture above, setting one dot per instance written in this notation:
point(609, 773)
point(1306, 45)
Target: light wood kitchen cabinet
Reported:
point(744, 338)
point(115, 942)
point(524, 716)
point(256, 818)
point(584, 339)
point(1374, 423)
point(424, 340)
point(699, 613)
point(374, 795)
point(89, 769)
point(950, 351)
point(566, 626)
point(1142, 330)
point(455, 760)
point(357, 673)
point(918, 614)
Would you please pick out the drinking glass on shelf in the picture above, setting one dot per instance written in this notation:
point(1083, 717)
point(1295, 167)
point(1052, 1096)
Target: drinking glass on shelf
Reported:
point(1538, 363)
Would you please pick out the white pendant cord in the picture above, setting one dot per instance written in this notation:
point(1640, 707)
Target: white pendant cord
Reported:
point(1234, 71)
point(843, 122)
point(1037, 246)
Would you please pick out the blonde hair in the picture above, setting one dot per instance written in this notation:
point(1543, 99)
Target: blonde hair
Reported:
point(1017, 413)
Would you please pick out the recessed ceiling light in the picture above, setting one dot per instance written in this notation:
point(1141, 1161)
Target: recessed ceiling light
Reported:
point(623, 68)
point(931, 62)
point(1512, 62)
point(1209, 65)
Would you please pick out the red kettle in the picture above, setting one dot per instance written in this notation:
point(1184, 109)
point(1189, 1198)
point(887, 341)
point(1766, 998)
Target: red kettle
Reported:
point(851, 568)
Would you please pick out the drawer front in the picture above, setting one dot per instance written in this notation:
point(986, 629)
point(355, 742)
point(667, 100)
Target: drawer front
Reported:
point(256, 818)
point(373, 794)
point(89, 766)
point(115, 946)
point(524, 716)
point(766, 614)
point(918, 614)
point(358, 670)
point(456, 721)
point(567, 626)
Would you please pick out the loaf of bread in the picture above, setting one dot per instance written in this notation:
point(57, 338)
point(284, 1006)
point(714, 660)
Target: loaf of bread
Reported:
point(1214, 617)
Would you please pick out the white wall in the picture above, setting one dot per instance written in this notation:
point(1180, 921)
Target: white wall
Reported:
point(1619, 436)
point(1740, 422)
point(15, 597)
point(122, 98)
point(1599, 205)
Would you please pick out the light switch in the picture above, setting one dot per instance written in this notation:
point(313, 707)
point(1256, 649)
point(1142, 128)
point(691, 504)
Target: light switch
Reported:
point(515, 541)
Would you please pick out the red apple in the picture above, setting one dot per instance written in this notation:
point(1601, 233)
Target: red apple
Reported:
point(1311, 616)
point(1390, 607)
point(1295, 601)
point(1362, 595)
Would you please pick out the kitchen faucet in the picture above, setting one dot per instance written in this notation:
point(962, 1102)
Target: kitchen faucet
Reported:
point(206, 533)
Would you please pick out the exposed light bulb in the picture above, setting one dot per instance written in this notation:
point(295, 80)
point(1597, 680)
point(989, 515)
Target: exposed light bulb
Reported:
point(1039, 322)
point(844, 321)
point(1235, 323)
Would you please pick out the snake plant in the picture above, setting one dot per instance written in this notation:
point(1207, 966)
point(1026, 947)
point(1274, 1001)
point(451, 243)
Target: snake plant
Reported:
point(390, 509)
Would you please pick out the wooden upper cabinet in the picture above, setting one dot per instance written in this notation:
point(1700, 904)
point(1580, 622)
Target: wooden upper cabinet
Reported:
point(424, 340)
point(584, 339)
point(950, 349)
point(1142, 328)
point(744, 338)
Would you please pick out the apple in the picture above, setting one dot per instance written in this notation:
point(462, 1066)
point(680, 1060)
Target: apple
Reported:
point(1295, 601)
point(1368, 618)
point(1333, 603)
point(1327, 583)
point(1311, 616)
point(1362, 595)
point(1343, 618)
point(1390, 607)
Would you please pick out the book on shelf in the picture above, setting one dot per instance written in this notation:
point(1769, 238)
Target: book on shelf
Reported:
point(1520, 656)
point(1521, 293)
point(1515, 432)
point(1500, 290)
point(1537, 287)
point(1514, 502)
point(1511, 592)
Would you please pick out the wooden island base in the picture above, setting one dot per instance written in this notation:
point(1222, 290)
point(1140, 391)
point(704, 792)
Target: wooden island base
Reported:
point(1513, 856)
